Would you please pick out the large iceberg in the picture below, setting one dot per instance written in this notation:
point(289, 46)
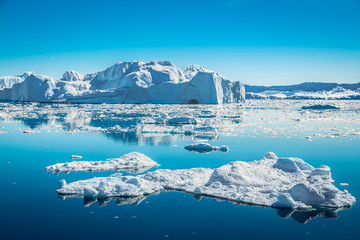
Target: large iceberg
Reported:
point(126, 82)
point(8, 82)
point(272, 181)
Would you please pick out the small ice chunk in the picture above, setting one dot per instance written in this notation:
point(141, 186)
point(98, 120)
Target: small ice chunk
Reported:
point(319, 107)
point(224, 148)
point(182, 120)
point(205, 148)
point(61, 183)
point(76, 157)
point(30, 131)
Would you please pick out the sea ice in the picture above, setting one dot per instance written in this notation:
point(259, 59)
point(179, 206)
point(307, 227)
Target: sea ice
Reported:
point(182, 120)
point(271, 181)
point(133, 162)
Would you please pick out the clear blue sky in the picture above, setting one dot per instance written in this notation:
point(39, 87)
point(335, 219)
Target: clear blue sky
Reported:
point(256, 41)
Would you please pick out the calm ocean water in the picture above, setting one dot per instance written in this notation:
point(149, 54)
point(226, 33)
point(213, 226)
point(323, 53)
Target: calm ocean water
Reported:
point(31, 209)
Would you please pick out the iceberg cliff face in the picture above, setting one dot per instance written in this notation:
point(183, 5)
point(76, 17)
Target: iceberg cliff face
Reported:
point(127, 82)
point(33, 88)
point(8, 82)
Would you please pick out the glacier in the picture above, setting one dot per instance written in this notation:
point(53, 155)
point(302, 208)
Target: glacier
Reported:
point(126, 82)
point(279, 182)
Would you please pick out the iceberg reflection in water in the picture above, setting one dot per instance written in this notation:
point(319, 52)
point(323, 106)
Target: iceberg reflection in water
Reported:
point(302, 216)
point(306, 215)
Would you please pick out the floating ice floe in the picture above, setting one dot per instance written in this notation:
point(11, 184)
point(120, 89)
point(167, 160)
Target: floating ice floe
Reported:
point(182, 120)
point(319, 107)
point(133, 162)
point(205, 131)
point(205, 148)
point(76, 157)
point(272, 181)
point(30, 131)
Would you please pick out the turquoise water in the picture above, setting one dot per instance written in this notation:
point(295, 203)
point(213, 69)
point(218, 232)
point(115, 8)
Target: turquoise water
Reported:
point(30, 207)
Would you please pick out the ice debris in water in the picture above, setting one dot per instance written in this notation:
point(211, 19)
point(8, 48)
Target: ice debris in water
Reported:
point(271, 181)
point(133, 162)
point(205, 148)
point(76, 157)
point(182, 120)
point(149, 122)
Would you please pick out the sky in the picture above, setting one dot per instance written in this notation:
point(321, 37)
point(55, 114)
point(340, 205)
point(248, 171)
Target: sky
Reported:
point(259, 42)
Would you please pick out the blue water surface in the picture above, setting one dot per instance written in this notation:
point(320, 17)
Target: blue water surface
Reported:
point(31, 209)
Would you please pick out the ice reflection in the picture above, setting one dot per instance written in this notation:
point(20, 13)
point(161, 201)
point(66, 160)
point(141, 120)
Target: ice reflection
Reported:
point(153, 123)
point(306, 215)
point(133, 124)
point(302, 216)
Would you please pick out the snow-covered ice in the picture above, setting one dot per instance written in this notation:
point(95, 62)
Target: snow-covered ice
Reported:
point(133, 162)
point(272, 181)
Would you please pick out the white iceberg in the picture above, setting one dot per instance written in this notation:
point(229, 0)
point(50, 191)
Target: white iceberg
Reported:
point(8, 82)
point(126, 82)
point(271, 181)
point(133, 162)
